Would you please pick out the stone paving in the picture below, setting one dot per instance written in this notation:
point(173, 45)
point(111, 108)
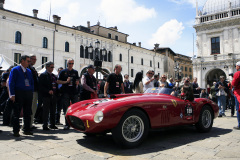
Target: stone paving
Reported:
point(172, 143)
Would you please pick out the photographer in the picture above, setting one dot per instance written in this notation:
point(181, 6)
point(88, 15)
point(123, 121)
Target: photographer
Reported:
point(221, 89)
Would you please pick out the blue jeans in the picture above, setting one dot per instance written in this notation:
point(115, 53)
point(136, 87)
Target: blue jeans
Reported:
point(221, 104)
point(237, 108)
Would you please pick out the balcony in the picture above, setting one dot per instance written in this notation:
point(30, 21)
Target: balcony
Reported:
point(218, 57)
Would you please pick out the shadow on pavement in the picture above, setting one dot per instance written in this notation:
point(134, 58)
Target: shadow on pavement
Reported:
point(157, 140)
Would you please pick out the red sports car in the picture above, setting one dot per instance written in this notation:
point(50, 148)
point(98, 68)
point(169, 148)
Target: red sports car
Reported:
point(130, 116)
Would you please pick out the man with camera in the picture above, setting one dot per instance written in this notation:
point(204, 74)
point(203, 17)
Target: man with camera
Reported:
point(236, 85)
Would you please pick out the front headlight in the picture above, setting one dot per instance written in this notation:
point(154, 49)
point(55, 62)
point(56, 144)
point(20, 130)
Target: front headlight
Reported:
point(98, 117)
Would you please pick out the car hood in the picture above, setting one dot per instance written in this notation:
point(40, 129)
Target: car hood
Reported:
point(119, 98)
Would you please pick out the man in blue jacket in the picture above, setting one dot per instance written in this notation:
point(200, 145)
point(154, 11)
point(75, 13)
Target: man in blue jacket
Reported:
point(21, 88)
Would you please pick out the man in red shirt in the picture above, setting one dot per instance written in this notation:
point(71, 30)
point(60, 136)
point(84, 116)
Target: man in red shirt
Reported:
point(236, 85)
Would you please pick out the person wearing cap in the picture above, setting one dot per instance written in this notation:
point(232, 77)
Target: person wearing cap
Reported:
point(89, 84)
point(148, 80)
point(221, 89)
point(69, 79)
point(236, 85)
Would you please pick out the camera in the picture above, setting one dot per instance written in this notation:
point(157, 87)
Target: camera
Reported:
point(230, 74)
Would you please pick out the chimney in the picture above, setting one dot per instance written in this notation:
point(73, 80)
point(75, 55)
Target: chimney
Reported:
point(35, 12)
point(88, 24)
point(98, 23)
point(139, 44)
point(56, 19)
point(134, 44)
point(2, 4)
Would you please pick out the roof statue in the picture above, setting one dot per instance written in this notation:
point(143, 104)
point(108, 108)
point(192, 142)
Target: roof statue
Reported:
point(215, 6)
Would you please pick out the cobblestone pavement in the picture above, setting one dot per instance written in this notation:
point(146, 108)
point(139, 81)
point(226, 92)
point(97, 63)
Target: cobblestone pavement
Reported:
point(173, 143)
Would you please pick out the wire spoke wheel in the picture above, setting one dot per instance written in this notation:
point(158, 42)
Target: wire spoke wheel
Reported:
point(132, 128)
point(206, 118)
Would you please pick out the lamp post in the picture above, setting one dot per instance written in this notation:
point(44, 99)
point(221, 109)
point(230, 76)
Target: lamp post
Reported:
point(178, 71)
point(97, 60)
point(155, 50)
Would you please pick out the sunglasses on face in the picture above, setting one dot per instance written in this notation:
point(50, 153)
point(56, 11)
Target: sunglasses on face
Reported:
point(150, 73)
point(70, 63)
point(163, 77)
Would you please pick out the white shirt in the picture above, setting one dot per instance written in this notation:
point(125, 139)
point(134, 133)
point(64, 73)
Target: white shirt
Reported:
point(146, 86)
point(24, 69)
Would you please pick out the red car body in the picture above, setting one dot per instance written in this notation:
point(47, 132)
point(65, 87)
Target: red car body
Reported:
point(162, 111)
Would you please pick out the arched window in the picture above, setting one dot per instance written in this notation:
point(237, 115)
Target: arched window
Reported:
point(142, 61)
point(18, 37)
point(101, 55)
point(81, 52)
point(150, 63)
point(131, 59)
point(120, 57)
point(45, 42)
point(158, 65)
point(109, 56)
point(66, 47)
point(86, 52)
point(105, 57)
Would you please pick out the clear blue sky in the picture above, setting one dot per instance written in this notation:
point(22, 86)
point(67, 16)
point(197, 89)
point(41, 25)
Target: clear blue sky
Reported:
point(167, 22)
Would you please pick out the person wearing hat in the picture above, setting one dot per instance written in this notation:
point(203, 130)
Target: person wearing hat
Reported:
point(148, 81)
point(236, 85)
point(89, 84)
point(70, 80)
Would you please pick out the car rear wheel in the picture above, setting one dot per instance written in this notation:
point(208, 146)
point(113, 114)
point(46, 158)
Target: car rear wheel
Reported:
point(132, 129)
point(205, 120)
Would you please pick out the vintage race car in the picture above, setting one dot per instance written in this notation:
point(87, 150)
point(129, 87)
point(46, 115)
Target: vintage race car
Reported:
point(130, 116)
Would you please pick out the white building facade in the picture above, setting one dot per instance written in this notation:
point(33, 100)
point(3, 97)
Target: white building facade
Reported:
point(50, 41)
point(218, 40)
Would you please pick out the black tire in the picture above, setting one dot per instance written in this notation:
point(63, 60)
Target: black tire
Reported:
point(132, 129)
point(205, 120)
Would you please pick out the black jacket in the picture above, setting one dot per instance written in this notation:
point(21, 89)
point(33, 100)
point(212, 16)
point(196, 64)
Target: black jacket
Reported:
point(45, 84)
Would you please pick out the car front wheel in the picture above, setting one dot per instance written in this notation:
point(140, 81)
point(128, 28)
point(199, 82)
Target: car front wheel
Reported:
point(205, 120)
point(132, 129)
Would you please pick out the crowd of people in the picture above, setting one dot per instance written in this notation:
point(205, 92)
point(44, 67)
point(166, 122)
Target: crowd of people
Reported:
point(42, 98)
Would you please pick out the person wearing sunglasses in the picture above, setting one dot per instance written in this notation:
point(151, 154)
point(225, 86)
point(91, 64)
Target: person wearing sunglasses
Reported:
point(48, 88)
point(21, 87)
point(69, 79)
point(163, 82)
point(148, 80)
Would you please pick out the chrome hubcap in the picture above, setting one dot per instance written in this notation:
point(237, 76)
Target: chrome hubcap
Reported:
point(132, 128)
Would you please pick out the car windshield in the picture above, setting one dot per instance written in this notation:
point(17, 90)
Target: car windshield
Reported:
point(159, 90)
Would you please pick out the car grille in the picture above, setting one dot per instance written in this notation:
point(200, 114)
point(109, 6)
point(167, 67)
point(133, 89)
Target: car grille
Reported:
point(77, 123)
